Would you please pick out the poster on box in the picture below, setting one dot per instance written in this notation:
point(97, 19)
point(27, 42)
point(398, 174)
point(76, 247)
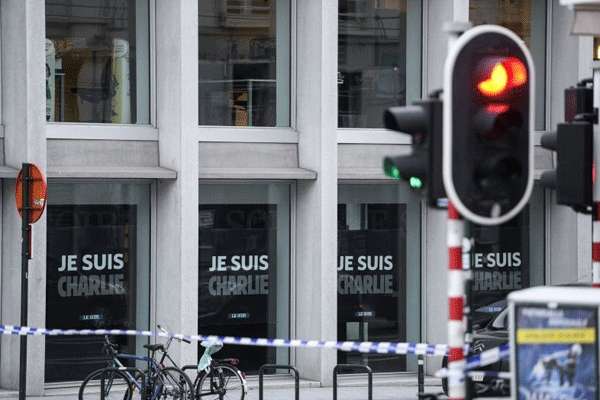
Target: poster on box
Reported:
point(556, 353)
point(237, 275)
point(90, 283)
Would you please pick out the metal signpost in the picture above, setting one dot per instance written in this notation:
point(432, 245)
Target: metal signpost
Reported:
point(31, 195)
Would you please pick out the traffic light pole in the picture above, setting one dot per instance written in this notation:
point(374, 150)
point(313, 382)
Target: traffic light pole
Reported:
point(456, 303)
point(596, 207)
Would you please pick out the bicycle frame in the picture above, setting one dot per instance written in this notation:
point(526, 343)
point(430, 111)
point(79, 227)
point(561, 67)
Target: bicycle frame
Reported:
point(152, 365)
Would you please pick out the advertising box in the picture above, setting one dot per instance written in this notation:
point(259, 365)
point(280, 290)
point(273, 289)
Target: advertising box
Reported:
point(554, 343)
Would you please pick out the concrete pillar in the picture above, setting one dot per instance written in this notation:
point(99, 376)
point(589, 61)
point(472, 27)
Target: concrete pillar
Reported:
point(23, 111)
point(316, 272)
point(435, 257)
point(177, 201)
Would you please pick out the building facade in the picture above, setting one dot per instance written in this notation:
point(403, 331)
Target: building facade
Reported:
point(215, 167)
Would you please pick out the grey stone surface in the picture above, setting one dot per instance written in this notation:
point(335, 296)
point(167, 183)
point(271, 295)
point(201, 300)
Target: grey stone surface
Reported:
point(257, 173)
point(352, 388)
point(66, 152)
point(23, 106)
point(247, 155)
point(87, 172)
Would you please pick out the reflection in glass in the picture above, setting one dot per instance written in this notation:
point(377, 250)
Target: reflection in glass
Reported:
point(379, 51)
point(97, 274)
point(97, 65)
point(506, 258)
point(243, 62)
point(527, 18)
point(243, 287)
point(378, 271)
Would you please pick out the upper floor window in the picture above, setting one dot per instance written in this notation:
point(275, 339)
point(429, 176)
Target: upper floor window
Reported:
point(97, 61)
point(526, 18)
point(244, 62)
point(379, 59)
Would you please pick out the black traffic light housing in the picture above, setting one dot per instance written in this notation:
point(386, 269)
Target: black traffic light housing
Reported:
point(573, 144)
point(488, 125)
point(422, 168)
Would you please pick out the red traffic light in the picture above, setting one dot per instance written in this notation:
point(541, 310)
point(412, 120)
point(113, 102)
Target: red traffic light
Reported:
point(501, 75)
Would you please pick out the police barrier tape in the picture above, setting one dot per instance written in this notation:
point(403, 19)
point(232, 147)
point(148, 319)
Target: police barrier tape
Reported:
point(482, 359)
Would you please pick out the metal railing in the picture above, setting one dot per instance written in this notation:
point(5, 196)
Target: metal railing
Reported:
point(261, 373)
point(353, 367)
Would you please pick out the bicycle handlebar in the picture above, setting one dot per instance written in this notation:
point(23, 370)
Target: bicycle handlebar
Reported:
point(108, 347)
point(166, 332)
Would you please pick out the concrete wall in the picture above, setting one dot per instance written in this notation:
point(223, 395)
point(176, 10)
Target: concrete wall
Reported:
point(23, 59)
point(112, 153)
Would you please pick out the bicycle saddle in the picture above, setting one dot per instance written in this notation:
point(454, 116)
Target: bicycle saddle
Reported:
point(154, 347)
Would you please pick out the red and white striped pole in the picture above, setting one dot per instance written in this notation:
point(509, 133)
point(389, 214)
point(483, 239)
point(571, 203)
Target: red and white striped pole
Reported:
point(596, 206)
point(596, 241)
point(456, 300)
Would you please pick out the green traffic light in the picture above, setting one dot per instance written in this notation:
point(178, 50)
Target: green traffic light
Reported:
point(390, 169)
point(394, 172)
point(415, 182)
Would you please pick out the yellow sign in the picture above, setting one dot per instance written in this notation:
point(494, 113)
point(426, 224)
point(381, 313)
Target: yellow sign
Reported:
point(562, 335)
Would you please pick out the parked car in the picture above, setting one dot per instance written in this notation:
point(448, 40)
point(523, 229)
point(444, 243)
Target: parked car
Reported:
point(488, 333)
point(490, 330)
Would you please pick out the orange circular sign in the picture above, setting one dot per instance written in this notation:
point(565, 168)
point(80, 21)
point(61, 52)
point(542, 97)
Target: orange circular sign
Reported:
point(37, 193)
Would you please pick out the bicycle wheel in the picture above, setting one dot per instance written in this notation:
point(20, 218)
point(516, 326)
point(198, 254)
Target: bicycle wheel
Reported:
point(106, 384)
point(173, 384)
point(222, 382)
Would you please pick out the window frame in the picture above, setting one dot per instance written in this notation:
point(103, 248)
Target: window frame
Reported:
point(382, 135)
point(422, 252)
point(293, 241)
point(107, 131)
point(152, 244)
point(464, 6)
point(263, 134)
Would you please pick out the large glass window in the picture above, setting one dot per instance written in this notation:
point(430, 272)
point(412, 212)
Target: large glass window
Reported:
point(379, 246)
point(98, 272)
point(244, 62)
point(506, 257)
point(379, 59)
point(97, 61)
point(527, 18)
point(244, 267)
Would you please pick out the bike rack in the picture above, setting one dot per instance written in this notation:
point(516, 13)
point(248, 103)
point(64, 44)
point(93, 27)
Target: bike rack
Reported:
point(261, 373)
point(355, 367)
point(134, 370)
point(421, 373)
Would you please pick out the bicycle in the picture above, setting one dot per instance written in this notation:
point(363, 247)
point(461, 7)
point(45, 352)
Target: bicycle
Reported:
point(220, 379)
point(117, 381)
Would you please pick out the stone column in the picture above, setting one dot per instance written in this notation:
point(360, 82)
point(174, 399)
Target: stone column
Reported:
point(23, 116)
point(316, 254)
point(177, 201)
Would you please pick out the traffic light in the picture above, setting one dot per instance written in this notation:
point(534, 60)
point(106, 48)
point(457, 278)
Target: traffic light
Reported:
point(573, 144)
point(488, 122)
point(422, 168)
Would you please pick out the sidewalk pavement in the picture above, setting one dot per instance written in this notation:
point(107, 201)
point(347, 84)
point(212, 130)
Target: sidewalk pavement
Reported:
point(394, 387)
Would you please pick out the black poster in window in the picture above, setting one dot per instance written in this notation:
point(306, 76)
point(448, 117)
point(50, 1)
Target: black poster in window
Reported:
point(500, 264)
point(237, 275)
point(372, 279)
point(91, 283)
